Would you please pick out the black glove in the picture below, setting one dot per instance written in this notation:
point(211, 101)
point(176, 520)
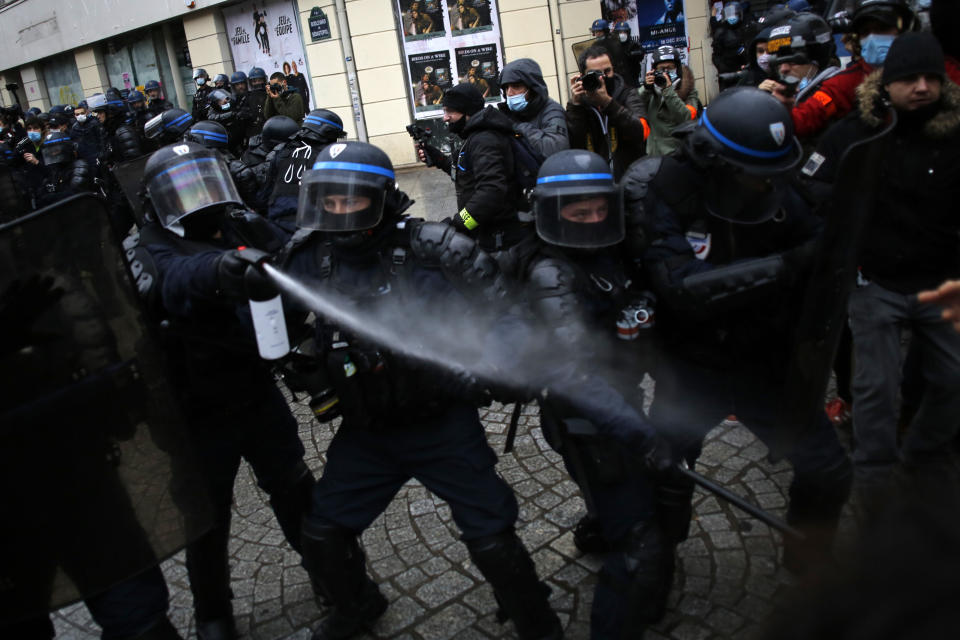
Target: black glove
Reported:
point(436, 155)
point(231, 269)
point(656, 455)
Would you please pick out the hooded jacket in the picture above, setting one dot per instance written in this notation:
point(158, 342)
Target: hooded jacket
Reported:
point(912, 241)
point(618, 132)
point(487, 190)
point(543, 122)
point(669, 109)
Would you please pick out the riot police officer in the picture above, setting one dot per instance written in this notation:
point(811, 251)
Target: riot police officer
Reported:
point(401, 418)
point(247, 114)
point(287, 164)
point(257, 80)
point(228, 395)
point(578, 284)
point(66, 174)
point(121, 140)
point(168, 127)
point(223, 111)
point(276, 131)
point(200, 98)
point(730, 242)
point(212, 135)
point(155, 103)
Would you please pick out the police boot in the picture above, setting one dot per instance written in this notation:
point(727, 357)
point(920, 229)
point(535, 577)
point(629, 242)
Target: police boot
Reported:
point(337, 567)
point(523, 598)
point(292, 501)
point(588, 536)
point(209, 573)
point(815, 504)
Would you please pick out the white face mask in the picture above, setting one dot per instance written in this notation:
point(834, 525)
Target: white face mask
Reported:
point(623, 37)
point(763, 61)
point(81, 118)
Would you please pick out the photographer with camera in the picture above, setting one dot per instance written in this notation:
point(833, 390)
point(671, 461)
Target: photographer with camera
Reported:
point(670, 99)
point(282, 101)
point(604, 115)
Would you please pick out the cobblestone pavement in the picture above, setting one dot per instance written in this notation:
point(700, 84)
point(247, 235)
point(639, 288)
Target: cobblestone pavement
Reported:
point(728, 573)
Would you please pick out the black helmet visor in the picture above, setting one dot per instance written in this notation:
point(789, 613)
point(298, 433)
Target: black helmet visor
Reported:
point(579, 216)
point(342, 196)
point(189, 184)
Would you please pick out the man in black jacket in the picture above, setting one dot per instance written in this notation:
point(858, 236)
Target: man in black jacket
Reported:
point(604, 115)
point(487, 189)
point(911, 244)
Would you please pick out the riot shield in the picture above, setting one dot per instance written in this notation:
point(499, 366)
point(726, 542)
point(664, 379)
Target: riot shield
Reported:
point(99, 482)
point(128, 175)
point(15, 204)
point(824, 308)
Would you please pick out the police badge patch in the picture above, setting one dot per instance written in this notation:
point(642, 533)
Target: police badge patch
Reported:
point(779, 132)
point(336, 149)
point(700, 243)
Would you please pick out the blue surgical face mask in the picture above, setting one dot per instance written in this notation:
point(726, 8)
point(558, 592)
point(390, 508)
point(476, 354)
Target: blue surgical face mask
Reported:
point(803, 83)
point(874, 48)
point(225, 106)
point(673, 76)
point(733, 20)
point(34, 136)
point(201, 81)
point(517, 102)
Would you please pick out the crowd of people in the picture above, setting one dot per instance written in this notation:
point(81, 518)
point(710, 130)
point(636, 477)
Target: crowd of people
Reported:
point(575, 228)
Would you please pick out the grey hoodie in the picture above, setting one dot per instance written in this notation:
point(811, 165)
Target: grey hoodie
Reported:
point(543, 122)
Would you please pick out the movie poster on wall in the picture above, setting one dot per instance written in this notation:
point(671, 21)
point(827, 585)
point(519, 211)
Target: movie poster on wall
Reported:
point(447, 42)
point(266, 34)
point(654, 22)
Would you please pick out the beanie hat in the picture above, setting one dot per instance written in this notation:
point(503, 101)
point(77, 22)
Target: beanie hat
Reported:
point(913, 53)
point(464, 98)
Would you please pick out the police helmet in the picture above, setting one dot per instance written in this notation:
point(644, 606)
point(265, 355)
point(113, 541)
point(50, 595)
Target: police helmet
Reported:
point(169, 125)
point(346, 189)
point(666, 53)
point(221, 80)
point(58, 148)
point(134, 97)
point(806, 38)
point(745, 141)
point(209, 133)
point(238, 78)
point(600, 25)
point(35, 111)
point(776, 16)
point(219, 99)
point(278, 129)
point(115, 102)
point(576, 203)
point(186, 178)
point(200, 77)
point(893, 13)
point(322, 125)
point(622, 26)
point(257, 78)
point(151, 85)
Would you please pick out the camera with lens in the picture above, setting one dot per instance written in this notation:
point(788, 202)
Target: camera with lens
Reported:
point(592, 80)
point(660, 79)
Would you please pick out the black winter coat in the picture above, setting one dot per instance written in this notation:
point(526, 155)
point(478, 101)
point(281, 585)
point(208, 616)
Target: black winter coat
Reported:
point(618, 133)
point(89, 138)
point(912, 240)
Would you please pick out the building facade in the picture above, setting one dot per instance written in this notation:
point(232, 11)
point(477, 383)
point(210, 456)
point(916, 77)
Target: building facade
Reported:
point(356, 61)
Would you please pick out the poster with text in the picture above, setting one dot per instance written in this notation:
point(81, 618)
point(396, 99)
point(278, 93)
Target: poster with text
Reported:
point(430, 78)
point(478, 66)
point(266, 34)
point(461, 43)
point(468, 17)
point(422, 19)
point(653, 22)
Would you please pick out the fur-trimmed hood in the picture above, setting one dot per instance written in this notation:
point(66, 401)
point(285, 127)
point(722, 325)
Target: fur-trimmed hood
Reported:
point(687, 83)
point(946, 123)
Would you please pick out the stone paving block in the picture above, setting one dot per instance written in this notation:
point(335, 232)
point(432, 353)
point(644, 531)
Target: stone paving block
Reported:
point(388, 567)
point(401, 614)
point(548, 562)
point(724, 621)
point(448, 623)
point(279, 628)
point(690, 631)
point(265, 609)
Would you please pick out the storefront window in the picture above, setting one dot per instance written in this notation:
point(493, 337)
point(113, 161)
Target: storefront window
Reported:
point(136, 58)
point(63, 80)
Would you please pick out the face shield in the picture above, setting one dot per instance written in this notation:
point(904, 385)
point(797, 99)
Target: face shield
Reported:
point(342, 196)
point(57, 152)
point(734, 195)
point(581, 216)
point(187, 184)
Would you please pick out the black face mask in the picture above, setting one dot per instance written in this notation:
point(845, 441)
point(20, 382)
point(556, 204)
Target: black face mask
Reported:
point(457, 127)
point(202, 225)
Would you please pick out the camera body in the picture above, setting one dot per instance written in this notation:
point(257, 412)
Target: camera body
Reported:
point(660, 79)
point(592, 80)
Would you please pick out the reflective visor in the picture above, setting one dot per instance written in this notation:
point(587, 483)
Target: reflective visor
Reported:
point(339, 201)
point(580, 216)
point(189, 186)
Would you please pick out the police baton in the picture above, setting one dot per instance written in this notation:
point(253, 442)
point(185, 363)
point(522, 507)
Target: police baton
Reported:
point(739, 502)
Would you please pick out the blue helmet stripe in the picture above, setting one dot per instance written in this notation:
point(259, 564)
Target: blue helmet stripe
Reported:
point(569, 177)
point(319, 120)
point(213, 135)
point(747, 151)
point(179, 120)
point(354, 166)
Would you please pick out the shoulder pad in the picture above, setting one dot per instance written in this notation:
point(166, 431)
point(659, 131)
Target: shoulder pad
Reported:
point(457, 255)
point(551, 276)
point(143, 270)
